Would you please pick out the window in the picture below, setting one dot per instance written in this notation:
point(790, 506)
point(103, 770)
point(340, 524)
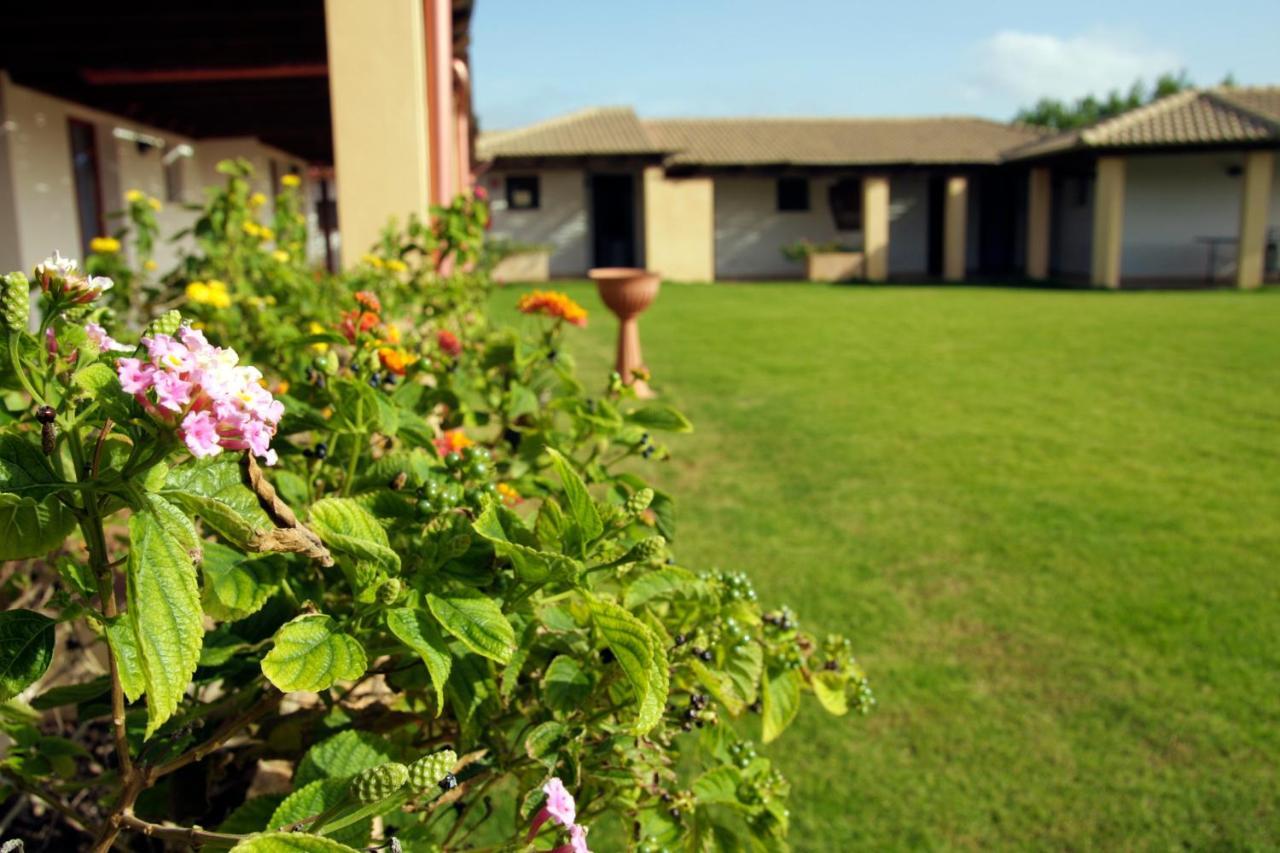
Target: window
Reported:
point(845, 198)
point(84, 170)
point(793, 194)
point(522, 192)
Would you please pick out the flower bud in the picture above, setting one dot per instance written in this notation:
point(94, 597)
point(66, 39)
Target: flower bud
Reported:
point(378, 783)
point(15, 302)
point(428, 770)
point(649, 548)
point(166, 324)
point(640, 501)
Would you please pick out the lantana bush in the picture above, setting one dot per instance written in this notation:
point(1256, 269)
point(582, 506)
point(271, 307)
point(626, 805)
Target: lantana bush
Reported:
point(310, 562)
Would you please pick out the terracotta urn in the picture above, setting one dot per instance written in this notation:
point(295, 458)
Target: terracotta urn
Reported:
point(627, 292)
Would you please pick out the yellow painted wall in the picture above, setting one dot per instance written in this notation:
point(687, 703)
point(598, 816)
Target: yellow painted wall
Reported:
point(875, 226)
point(1255, 198)
point(1039, 196)
point(679, 226)
point(1108, 221)
point(955, 228)
point(378, 93)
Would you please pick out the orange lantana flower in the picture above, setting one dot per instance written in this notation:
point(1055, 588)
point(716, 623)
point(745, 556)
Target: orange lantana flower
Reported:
point(553, 304)
point(453, 441)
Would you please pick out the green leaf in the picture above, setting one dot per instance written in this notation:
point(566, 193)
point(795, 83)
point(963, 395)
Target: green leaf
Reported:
point(659, 417)
point(477, 621)
point(543, 742)
point(94, 379)
point(291, 842)
point(586, 525)
point(344, 525)
point(24, 470)
point(510, 538)
point(828, 687)
point(417, 630)
point(251, 815)
point(663, 583)
point(164, 605)
point(29, 528)
point(310, 653)
point(123, 640)
point(26, 649)
point(342, 756)
point(781, 695)
point(565, 686)
point(655, 699)
point(236, 586)
point(213, 490)
point(72, 694)
point(719, 686)
point(718, 786)
point(634, 646)
point(743, 667)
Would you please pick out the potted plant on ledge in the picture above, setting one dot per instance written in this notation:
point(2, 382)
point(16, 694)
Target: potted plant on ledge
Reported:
point(831, 261)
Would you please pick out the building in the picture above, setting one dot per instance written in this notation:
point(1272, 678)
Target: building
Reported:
point(368, 102)
point(1179, 192)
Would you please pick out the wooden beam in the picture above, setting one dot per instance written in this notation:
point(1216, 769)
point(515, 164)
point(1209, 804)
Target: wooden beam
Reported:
point(135, 77)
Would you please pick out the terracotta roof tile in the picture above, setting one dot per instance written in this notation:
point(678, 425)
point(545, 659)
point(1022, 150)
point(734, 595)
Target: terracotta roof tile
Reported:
point(597, 131)
point(835, 141)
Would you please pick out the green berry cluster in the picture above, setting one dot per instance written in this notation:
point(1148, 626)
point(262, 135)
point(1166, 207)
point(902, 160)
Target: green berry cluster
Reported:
point(734, 586)
point(378, 783)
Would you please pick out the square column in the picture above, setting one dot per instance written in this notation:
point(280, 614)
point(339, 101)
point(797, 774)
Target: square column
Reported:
point(1108, 221)
point(875, 226)
point(955, 224)
point(1039, 198)
point(381, 101)
point(679, 226)
point(1255, 197)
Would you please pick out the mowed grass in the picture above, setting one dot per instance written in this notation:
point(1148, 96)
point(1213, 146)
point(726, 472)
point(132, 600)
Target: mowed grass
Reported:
point(1049, 520)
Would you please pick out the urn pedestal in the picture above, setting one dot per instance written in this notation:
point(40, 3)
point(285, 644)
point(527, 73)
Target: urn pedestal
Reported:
point(627, 293)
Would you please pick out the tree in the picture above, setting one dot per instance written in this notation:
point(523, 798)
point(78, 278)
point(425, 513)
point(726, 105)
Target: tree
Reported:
point(1061, 115)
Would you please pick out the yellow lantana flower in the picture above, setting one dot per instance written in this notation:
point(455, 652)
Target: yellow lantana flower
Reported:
point(104, 245)
point(281, 255)
point(155, 204)
point(251, 228)
point(291, 181)
point(257, 200)
point(397, 265)
point(212, 293)
point(318, 329)
point(373, 261)
point(133, 196)
point(150, 265)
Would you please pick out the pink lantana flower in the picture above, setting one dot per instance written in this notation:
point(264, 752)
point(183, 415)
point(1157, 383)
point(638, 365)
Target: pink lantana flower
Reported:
point(105, 343)
point(213, 401)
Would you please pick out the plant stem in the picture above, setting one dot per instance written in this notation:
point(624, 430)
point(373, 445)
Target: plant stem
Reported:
point(190, 835)
point(271, 696)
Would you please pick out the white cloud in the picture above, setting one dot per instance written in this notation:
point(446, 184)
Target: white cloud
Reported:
point(1026, 66)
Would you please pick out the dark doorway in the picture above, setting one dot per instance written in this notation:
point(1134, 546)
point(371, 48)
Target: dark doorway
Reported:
point(613, 220)
point(84, 170)
point(937, 223)
point(998, 223)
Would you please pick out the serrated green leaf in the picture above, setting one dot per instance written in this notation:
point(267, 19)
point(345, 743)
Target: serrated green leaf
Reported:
point(342, 756)
point(417, 630)
point(510, 538)
point(718, 786)
point(666, 582)
point(659, 417)
point(543, 742)
point(122, 638)
point(291, 842)
point(29, 528)
point(94, 379)
point(743, 666)
point(780, 693)
point(311, 653)
point(72, 694)
point(235, 585)
point(212, 489)
point(24, 470)
point(655, 699)
point(633, 646)
point(309, 801)
point(344, 525)
point(585, 525)
point(828, 687)
point(565, 686)
point(26, 649)
point(477, 621)
point(164, 605)
point(719, 686)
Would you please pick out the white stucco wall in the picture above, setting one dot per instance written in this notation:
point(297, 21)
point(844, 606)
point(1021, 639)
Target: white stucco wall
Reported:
point(560, 221)
point(38, 211)
point(1170, 201)
point(750, 231)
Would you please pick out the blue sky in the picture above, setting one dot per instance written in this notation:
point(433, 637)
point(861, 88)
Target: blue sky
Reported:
point(533, 59)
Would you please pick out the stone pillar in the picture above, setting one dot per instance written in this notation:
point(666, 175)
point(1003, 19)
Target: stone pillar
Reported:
point(955, 222)
point(1108, 221)
point(679, 226)
point(875, 226)
point(378, 92)
point(1039, 199)
point(1255, 197)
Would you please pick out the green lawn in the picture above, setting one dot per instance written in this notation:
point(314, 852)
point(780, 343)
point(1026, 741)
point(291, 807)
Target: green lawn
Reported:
point(1050, 521)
